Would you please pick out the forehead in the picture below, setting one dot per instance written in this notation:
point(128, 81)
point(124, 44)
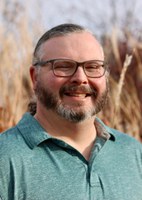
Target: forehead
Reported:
point(80, 46)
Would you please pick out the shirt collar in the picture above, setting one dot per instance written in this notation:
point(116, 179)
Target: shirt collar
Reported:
point(34, 133)
point(104, 131)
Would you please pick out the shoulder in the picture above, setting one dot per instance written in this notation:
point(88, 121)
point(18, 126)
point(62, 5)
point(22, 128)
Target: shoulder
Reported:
point(128, 145)
point(122, 139)
point(10, 144)
point(13, 140)
point(9, 141)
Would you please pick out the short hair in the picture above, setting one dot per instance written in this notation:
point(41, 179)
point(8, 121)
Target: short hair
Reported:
point(60, 30)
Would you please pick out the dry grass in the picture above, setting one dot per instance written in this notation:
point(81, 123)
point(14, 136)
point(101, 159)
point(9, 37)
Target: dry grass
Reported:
point(124, 109)
point(119, 89)
point(14, 81)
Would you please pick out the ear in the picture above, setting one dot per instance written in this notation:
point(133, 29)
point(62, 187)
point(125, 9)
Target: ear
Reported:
point(33, 75)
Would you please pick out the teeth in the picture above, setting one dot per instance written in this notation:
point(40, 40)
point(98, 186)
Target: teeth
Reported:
point(77, 95)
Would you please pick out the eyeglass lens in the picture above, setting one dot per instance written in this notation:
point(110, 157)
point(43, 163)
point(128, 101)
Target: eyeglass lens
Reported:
point(68, 68)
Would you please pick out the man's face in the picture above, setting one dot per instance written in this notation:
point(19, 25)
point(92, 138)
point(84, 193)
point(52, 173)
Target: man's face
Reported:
point(77, 97)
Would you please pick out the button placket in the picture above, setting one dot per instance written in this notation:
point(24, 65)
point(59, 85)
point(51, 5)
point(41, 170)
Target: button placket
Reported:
point(94, 179)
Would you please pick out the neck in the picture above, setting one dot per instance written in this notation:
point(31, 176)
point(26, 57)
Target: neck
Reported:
point(80, 135)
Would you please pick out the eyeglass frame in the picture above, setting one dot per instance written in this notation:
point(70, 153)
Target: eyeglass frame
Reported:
point(78, 64)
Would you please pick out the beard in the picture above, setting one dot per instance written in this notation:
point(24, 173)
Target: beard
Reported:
point(50, 101)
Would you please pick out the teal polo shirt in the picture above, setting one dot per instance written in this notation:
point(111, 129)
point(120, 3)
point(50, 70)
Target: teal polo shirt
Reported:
point(36, 166)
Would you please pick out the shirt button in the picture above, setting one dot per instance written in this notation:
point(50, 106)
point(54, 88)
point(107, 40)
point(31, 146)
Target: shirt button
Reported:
point(94, 180)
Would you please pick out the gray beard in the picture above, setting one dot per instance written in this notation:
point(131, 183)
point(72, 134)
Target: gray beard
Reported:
point(50, 101)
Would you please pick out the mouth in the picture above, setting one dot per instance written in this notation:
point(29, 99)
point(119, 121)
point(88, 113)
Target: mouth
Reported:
point(78, 92)
point(80, 95)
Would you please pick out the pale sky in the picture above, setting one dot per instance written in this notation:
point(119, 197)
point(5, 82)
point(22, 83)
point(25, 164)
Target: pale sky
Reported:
point(97, 15)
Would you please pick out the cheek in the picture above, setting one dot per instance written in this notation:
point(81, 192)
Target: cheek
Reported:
point(100, 84)
point(52, 82)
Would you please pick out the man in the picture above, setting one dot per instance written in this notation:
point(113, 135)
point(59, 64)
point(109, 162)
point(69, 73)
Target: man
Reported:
point(64, 152)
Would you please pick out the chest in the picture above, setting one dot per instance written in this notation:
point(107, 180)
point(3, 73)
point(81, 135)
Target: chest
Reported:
point(57, 173)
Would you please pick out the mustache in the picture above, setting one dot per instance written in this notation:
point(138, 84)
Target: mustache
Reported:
point(81, 88)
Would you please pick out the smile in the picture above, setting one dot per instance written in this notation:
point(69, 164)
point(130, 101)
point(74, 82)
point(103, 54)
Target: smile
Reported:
point(82, 95)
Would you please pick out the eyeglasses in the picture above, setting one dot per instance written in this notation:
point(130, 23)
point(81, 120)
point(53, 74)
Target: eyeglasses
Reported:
point(67, 68)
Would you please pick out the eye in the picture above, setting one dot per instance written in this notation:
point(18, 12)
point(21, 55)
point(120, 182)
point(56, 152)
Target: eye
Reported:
point(93, 66)
point(63, 65)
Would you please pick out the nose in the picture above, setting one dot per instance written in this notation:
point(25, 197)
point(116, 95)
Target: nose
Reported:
point(79, 77)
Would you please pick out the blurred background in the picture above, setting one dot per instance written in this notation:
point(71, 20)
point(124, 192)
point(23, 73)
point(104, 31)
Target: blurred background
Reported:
point(118, 26)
